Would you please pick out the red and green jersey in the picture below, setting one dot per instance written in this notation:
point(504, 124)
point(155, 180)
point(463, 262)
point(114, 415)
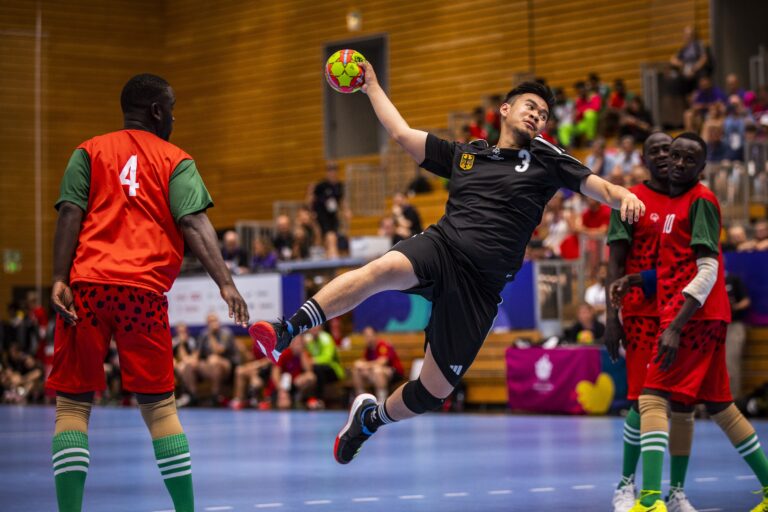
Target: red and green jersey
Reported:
point(643, 240)
point(133, 186)
point(692, 219)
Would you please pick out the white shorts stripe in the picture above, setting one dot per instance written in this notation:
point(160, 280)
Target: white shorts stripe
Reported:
point(180, 473)
point(70, 450)
point(67, 469)
point(176, 466)
point(71, 459)
point(171, 459)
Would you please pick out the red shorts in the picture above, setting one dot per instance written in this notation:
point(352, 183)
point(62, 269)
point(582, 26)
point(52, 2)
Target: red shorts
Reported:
point(698, 374)
point(641, 337)
point(138, 320)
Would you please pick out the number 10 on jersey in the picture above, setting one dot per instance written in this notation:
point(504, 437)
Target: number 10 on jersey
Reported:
point(128, 175)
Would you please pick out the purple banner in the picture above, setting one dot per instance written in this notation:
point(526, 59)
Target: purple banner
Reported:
point(560, 380)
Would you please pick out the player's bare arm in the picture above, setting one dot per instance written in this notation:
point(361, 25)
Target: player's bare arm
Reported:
point(413, 141)
point(614, 332)
point(201, 238)
point(64, 245)
point(616, 197)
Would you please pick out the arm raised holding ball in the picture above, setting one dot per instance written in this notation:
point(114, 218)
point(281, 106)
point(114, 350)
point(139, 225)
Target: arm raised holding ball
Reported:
point(413, 141)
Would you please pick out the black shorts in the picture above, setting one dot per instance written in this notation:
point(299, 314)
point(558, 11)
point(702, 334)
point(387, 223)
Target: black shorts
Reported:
point(463, 310)
point(328, 222)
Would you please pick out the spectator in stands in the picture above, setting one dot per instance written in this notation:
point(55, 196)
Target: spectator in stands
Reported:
point(250, 378)
point(594, 295)
point(761, 235)
point(302, 243)
point(283, 239)
point(477, 125)
point(691, 62)
point(587, 330)
point(328, 204)
point(292, 376)
point(556, 225)
point(493, 119)
point(565, 113)
point(588, 104)
point(185, 353)
point(20, 328)
point(379, 367)
point(419, 185)
point(703, 99)
point(636, 121)
point(405, 215)
point(592, 224)
point(326, 364)
point(39, 324)
point(598, 160)
point(760, 104)
point(735, 128)
point(596, 86)
point(615, 106)
point(628, 157)
point(638, 175)
point(234, 255)
point(305, 221)
point(737, 240)
point(264, 255)
point(388, 228)
point(549, 133)
point(737, 331)
point(733, 86)
point(22, 376)
point(712, 132)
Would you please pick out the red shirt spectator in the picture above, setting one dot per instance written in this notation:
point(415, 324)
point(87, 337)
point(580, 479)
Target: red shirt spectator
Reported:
point(384, 349)
point(592, 102)
point(596, 218)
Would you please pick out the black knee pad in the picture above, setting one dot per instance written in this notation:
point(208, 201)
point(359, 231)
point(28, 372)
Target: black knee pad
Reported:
point(418, 399)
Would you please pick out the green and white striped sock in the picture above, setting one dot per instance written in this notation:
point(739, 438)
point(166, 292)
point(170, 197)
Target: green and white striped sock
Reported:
point(652, 445)
point(754, 455)
point(71, 459)
point(631, 447)
point(172, 454)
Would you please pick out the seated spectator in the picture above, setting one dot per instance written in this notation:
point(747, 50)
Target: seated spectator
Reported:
point(326, 364)
point(706, 95)
point(595, 295)
point(565, 113)
point(379, 367)
point(477, 125)
point(733, 87)
point(388, 229)
point(588, 104)
point(420, 183)
point(598, 160)
point(217, 357)
point(305, 221)
point(761, 235)
point(638, 175)
point(587, 330)
point(759, 105)
point(292, 376)
point(636, 120)
point(615, 106)
point(301, 243)
point(628, 157)
point(250, 378)
point(735, 128)
point(595, 85)
point(556, 225)
point(691, 62)
point(593, 224)
point(549, 133)
point(283, 239)
point(21, 377)
point(405, 215)
point(264, 255)
point(185, 353)
point(234, 256)
point(712, 132)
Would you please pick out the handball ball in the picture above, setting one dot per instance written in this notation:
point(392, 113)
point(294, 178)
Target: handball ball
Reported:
point(344, 72)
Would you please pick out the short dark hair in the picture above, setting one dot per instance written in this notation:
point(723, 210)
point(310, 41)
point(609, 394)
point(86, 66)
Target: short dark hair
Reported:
point(141, 91)
point(540, 90)
point(695, 138)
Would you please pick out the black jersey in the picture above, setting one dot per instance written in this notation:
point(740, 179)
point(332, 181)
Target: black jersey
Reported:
point(497, 198)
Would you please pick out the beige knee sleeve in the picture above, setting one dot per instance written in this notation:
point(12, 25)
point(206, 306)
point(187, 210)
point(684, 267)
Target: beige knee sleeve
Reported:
point(680, 433)
point(734, 424)
point(161, 418)
point(72, 415)
point(653, 414)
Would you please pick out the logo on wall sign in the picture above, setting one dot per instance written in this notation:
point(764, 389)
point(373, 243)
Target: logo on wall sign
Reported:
point(467, 161)
point(655, 217)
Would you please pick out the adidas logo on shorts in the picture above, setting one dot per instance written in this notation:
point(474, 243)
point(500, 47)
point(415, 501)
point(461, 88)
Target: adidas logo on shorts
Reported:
point(457, 368)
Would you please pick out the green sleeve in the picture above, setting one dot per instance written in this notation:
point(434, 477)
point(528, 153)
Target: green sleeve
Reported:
point(76, 183)
point(705, 225)
point(325, 350)
point(618, 230)
point(187, 192)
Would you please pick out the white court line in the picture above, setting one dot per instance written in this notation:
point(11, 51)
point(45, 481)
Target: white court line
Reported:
point(163, 511)
point(501, 491)
point(455, 494)
point(412, 497)
point(542, 489)
point(218, 508)
point(363, 500)
point(710, 509)
point(707, 479)
point(746, 477)
point(317, 502)
point(268, 505)
point(582, 487)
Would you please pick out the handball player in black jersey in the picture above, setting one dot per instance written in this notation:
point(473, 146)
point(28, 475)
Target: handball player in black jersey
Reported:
point(496, 199)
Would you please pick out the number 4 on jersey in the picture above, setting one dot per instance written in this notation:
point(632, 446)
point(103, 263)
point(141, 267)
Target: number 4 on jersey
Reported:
point(128, 175)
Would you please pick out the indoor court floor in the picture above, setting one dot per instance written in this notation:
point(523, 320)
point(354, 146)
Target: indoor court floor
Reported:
point(282, 461)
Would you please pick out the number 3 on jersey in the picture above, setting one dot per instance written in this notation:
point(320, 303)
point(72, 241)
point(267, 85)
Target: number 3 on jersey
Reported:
point(128, 175)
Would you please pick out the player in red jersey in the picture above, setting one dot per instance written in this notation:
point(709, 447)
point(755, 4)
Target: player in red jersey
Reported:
point(633, 248)
point(689, 363)
point(129, 201)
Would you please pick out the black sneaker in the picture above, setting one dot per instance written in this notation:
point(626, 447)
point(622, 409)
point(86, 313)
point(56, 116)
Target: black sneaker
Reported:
point(354, 434)
point(270, 338)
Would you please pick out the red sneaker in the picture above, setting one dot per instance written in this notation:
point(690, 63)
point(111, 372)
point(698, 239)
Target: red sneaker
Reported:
point(270, 338)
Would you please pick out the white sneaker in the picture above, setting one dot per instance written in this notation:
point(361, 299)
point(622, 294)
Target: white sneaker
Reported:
point(677, 501)
point(624, 498)
point(183, 400)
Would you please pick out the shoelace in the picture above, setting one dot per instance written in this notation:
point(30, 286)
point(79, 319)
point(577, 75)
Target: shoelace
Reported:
point(626, 480)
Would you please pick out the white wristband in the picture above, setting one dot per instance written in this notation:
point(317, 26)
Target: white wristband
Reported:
point(701, 285)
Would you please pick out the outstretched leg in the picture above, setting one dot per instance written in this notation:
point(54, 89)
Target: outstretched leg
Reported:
point(71, 456)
